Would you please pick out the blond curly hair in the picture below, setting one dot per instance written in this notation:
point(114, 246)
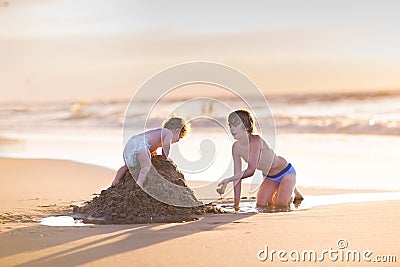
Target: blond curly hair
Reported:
point(179, 123)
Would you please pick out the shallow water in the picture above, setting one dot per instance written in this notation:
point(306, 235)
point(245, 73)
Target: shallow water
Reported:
point(62, 221)
point(315, 201)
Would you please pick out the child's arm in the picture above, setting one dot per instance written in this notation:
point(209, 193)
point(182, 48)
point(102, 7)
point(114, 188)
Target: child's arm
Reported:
point(166, 137)
point(237, 186)
point(254, 155)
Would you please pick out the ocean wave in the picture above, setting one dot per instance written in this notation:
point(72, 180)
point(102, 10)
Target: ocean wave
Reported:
point(339, 124)
point(334, 97)
point(350, 113)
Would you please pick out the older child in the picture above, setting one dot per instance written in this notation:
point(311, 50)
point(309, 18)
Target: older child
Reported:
point(140, 147)
point(280, 176)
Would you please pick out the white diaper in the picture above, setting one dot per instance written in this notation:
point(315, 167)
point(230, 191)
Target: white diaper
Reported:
point(134, 145)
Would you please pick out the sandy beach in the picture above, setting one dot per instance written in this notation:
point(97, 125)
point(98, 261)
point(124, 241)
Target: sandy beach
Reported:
point(29, 191)
point(79, 79)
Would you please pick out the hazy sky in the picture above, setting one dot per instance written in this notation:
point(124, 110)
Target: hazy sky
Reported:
point(102, 49)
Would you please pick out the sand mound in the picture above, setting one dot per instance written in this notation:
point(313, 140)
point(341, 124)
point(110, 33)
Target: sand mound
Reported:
point(165, 198)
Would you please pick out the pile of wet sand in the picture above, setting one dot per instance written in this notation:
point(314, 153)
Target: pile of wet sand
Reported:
point(165, 197)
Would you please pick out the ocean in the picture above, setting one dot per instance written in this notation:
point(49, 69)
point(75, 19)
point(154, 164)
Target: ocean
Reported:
point(339, 140)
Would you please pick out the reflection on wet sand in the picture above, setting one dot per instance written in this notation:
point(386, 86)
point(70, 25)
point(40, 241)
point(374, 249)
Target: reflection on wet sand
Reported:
point(312, 201)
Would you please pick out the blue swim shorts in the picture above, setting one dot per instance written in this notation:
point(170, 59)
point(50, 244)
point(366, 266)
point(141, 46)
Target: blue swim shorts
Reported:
point(278, 177)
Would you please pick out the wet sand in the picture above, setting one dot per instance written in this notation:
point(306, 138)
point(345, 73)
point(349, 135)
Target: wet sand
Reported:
point(31, 189)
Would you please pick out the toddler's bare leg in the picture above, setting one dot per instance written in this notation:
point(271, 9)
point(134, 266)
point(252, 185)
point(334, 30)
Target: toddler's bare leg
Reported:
point(144, 159)
point(118, 176)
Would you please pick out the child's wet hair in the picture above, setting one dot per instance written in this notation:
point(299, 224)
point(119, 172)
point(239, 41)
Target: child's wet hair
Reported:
point(179, 123)
point(244, 117)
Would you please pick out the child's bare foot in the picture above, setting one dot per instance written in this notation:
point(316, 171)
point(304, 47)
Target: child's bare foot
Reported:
point(298, 196)
point(115, 182)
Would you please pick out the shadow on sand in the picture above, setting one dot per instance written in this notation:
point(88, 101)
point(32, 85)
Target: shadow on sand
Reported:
point(72, 246)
